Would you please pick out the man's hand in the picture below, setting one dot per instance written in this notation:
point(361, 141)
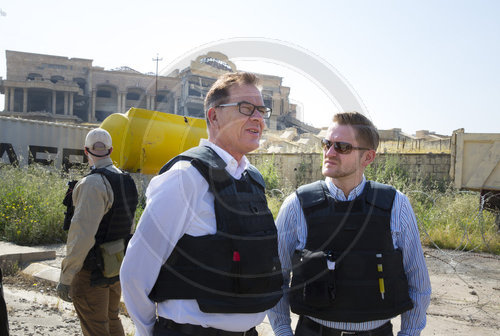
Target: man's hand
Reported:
point(63, 292)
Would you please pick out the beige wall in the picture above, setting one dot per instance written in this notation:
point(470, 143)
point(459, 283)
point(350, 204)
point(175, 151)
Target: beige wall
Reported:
point(300, 168)
point(429, 164)
point(295, 168)
point(414, 146)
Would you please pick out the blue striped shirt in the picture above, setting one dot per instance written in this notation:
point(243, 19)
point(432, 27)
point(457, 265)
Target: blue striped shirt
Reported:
point(292, 233)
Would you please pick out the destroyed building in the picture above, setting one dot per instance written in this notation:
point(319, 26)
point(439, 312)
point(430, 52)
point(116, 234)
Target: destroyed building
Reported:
point(62, 89)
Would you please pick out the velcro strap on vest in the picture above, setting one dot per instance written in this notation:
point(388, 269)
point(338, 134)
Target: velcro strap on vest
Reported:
point(202, 153)
point(256, 176)
point(311, 194)
point(380, 195)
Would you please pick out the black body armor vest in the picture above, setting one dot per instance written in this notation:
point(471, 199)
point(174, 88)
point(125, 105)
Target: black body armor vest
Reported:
point(367, 281)
point(236, 270)
point(116, 223)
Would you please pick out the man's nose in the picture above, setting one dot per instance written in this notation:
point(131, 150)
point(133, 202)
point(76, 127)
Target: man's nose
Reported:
point(257, 115)
point(331, 151)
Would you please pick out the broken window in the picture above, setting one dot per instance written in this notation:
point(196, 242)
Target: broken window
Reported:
point(32, 76)
point(196, 112)
point(55, 79)
point(81, 83)
point(101, 93)
point(133, 96)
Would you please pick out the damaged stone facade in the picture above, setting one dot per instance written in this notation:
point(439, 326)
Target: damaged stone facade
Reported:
point(62, 89)
point(56, 88)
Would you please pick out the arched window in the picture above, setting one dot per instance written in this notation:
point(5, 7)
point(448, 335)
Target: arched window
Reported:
point(101, 93)
point(133, 96)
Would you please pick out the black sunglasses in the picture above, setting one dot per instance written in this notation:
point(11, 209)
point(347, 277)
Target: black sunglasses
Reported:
point(340, 147)
point(247, 109)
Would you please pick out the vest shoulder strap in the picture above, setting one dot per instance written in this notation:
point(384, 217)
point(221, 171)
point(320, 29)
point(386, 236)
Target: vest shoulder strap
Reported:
point(380, 195)
point(106, 172)
point(377, 194)
point(201, 153)
point(312, 194)
point(256, 176)
point(112, 177)
point(204, 158)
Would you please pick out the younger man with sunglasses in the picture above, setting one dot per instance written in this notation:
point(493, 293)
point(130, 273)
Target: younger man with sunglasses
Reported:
point(352, 245)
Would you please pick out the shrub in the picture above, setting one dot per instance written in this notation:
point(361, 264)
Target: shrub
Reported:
point(454, 220)
point(31, 210)
point(389, 172)
point(270, 174)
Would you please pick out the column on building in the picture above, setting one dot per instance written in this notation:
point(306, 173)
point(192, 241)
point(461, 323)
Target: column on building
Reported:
point(71, 102)
point(66, 99)
point(124, 102)
point(54, 97)
point(92, 106)
point(148, 102)
point(6, 103)
point(25, 100)
point(11, 105)
point(118, 102)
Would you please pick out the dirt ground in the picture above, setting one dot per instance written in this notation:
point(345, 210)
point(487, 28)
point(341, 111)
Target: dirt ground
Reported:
point(465, 300)
point(465, 294)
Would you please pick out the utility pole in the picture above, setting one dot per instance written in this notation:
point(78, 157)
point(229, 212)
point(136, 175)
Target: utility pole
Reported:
point(156, 79)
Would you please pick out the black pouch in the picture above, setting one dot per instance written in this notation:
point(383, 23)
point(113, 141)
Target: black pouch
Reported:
point(68, 203)
point(312, 279)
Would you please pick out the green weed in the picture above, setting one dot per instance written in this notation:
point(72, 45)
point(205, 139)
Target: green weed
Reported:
point(31, 211)
point(270, 174)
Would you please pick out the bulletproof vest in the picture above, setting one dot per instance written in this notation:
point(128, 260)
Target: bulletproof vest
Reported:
point(349, 270)
point(116, 223)
point(237, 269)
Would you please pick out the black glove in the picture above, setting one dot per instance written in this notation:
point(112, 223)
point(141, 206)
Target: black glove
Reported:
point(63, 292)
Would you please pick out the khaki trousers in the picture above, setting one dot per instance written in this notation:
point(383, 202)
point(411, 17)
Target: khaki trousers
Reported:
point(97, 307)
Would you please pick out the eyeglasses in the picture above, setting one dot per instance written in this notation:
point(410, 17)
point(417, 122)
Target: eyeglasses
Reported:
point(247, 109)
point(340, 147)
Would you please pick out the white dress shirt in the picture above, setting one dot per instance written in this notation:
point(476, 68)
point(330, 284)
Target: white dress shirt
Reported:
point(292, 235)
point(178, 203)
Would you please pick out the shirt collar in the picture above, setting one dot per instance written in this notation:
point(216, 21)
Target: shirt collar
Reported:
point(103, 163)
point(338, 194)
point(233, 167)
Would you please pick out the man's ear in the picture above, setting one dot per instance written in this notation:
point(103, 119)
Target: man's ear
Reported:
point(368, 157)
point(212, 116)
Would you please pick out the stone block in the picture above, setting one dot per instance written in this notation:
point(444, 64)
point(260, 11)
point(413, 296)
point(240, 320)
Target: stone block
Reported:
point(42, 271)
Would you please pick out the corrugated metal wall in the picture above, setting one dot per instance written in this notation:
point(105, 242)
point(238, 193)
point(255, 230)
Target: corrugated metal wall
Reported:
point(27, 141)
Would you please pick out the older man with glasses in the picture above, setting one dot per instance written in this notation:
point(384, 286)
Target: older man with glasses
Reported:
point(204, 258)
point(352, 245)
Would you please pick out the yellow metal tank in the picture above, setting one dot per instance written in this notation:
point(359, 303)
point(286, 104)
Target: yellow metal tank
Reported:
point(144, 140)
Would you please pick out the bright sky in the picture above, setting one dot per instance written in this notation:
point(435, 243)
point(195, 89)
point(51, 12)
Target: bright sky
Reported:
point(426, 64)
